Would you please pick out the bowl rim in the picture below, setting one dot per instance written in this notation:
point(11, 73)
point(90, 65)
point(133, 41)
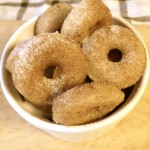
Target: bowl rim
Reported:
point(79, 128)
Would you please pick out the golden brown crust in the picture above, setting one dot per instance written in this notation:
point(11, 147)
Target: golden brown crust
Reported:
point(86, 103)
point(128, 70)
point(85, 18)
point(41, 52)
point(52, 19)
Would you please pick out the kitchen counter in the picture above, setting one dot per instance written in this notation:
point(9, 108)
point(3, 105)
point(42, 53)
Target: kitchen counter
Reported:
point(131, 133)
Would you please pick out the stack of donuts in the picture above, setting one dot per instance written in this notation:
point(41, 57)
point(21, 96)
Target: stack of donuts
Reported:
point(78, 64)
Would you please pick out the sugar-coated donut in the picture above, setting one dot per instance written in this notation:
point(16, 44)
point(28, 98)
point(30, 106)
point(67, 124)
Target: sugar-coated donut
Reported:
point(40, 53)
point(85, 18)
point(124, 72)
point(86, 103)
point(52, 19)
point(13, 55)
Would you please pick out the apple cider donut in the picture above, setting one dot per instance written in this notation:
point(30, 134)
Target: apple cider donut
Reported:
point(12, 56)
point(85, 18)
point(52, 19)
point(86, 103)
point(39, 54)
point(111, 41)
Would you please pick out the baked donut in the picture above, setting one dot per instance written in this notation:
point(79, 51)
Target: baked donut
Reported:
point(86, 103)
point(39, 54)
point(112, 40)
point(52, 19)
point(51, 72)
point(85, 18)
point(12, 56)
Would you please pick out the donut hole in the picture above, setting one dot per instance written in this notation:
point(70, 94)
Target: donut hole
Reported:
point(115, 55)
point(52, 72)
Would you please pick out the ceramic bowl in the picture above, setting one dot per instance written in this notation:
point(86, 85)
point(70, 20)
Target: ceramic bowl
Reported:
point(70, 133)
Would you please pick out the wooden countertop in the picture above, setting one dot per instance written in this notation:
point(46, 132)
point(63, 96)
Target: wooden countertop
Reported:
point(132, 133)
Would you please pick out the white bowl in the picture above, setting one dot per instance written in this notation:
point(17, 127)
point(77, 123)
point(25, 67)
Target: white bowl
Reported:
point(71, 133)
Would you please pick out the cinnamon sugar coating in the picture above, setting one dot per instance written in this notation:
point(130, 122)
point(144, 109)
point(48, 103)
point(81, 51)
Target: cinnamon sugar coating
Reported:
point(49, 69)
point(123, 73)
point(85, 18)
point(13, 55)
point(39, 53)
point(52, 19)
point(86, 103)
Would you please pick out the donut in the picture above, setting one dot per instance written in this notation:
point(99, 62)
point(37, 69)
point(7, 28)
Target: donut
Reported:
point(85, 18)
point(55, 72)
point(12, 56)
point(52, 19)
point(41, 53)
point(86, 103)
point(122, 43)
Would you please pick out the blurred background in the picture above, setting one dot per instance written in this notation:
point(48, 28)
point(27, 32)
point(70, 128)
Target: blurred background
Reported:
point(135, 11)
